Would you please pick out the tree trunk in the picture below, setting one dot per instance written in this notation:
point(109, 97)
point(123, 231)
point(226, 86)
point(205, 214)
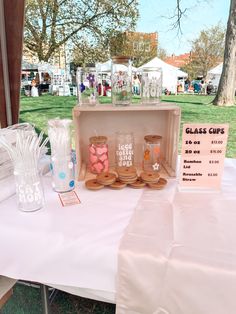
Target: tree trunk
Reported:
point(226, 91)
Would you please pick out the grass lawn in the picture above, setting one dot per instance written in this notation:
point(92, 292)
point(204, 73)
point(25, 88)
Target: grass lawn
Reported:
point(195, 108)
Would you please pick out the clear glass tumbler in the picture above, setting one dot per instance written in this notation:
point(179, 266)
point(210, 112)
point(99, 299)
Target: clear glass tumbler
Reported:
point(151, 85)
point(29, 189)
point(152, 153)
point(87, 86)
point(62, 164)
point(63, 173)
point(124, 149)
point(121, 78)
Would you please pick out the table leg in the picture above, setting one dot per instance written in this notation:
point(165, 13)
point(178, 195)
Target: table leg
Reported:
point(45, 299)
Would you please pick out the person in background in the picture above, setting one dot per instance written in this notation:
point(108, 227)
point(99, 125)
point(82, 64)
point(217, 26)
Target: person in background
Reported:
point(34, 89)
point(203, 87)
point(136, 85)
point(186, 85)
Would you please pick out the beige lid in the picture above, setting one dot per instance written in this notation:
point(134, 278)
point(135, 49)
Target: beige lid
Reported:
point(152, 139)
point(98, 139)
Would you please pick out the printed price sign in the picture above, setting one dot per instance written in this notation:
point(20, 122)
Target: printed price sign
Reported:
point(203, 153)
point(69, 198)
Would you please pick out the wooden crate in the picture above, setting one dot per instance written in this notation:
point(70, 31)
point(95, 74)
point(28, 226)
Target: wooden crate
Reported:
point(163, 119)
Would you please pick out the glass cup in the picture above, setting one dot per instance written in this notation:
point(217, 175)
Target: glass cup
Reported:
point(152, 153)
point(98, 154)
point(124, 149)
point(62, 160)
point(63, 173)
point(121, 78)
point(87, 86)
point(29, 189)
point(151, 85)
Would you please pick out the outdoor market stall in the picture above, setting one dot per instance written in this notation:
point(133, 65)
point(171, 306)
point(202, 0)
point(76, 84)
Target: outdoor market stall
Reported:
point(163, 248)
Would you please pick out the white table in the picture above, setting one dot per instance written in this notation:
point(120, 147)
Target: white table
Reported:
point(75, 248)
point(71, 247)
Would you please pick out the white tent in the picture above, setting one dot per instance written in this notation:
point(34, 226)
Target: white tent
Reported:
point(169, 72)
point(106, 67)
point(214, 74)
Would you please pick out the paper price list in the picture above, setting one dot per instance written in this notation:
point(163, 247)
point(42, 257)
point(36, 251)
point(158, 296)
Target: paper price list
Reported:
point(203, 152)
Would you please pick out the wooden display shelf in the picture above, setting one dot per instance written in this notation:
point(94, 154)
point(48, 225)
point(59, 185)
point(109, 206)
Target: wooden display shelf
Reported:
point(162, 119)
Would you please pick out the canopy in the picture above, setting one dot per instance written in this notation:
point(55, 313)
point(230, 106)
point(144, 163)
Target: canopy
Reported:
point(40, 67)
point(216, 70)
point(169, 72)
point(106, 67)
point(26, 66)
point(214, 74)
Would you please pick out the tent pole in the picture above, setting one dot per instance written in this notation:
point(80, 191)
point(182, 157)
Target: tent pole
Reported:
point(5, 64)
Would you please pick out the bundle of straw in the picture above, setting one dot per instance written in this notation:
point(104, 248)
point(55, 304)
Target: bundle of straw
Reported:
point(59, 135)
point(27, 149)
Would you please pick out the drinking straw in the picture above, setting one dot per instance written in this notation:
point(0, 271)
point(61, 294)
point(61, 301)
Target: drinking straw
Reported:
point(59, 135)
point(27, 149)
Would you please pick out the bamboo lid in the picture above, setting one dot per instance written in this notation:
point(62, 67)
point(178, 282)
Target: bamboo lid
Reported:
point(152, 139)
point(98, 140)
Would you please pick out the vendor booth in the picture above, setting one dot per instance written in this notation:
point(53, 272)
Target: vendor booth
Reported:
point(114, 213)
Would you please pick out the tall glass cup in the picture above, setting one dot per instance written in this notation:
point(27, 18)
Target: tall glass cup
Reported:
point(121, 79)
point(151, 86)
point(124, 149)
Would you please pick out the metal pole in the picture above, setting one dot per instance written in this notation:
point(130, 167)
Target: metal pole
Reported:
point(5, 63)
point(45, 299)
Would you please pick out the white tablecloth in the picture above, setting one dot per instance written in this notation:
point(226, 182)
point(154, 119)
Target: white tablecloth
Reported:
point(178, 253)
point(76, 247)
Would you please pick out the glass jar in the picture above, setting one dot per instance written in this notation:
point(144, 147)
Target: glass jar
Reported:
point(98, 154)
point(121, 79)
point(62, 165)
point(86, 86)
point(151, 85)
point(152, 153)
point(63, 173)
point(29, 189)
point(124, 149)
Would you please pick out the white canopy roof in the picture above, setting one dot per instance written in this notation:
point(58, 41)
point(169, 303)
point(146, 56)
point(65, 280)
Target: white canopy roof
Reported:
point(169, 72)
point(106, 67)
point(40, 67)
point(214, 74)
point(216, 70)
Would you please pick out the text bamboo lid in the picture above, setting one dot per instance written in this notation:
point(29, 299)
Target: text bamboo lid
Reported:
point(98, 139)
point(152, 139)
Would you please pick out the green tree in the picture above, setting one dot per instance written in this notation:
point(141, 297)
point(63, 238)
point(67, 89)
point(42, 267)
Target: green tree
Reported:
point(161, 53)
point(226, 91)
point(86, 52)
point(207, 51)
point(51, 23)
